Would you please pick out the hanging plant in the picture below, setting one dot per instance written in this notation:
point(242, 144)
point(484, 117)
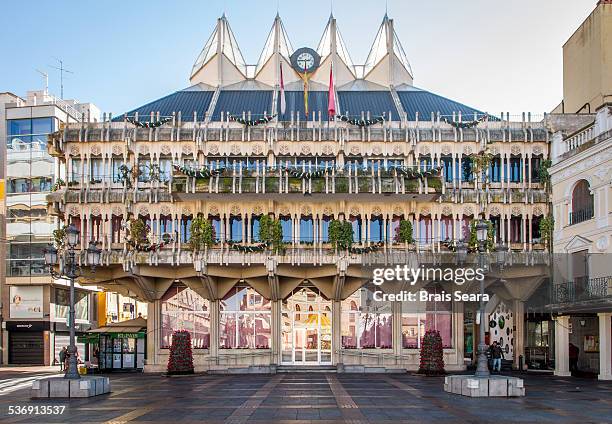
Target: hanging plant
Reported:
point(202, 233)
point(404, 232)
point(341, 234)
point(473, 243)
point(271, 233)
point(152, 124)
point(59, 183)
point(139, 237)
point(482, 161)
point(547, 226)
point(544, 172)
point(361, 122)
point(126, 176)
point(295, 173)
point(252, 122)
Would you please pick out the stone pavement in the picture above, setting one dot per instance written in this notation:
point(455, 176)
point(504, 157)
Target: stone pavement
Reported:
point(319, 398)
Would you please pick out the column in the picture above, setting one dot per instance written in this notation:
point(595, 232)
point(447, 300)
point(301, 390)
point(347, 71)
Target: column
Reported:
point(460, 171)
point(336, 334)
point(452, 170)
point(530, 232)
point(524, 231)
point(213, 348)
point(502, 229)
point(396, 325)
point(605, 346)
point(456, 228)
point(561, 346)
point(249, 237)
point(519, 333)
point(530, 172)
point(523, 169)
point(243, 229)
point(276, 332)
point(297, 228)
point(418, 231)
point(508, 220)
point(366, 231)
point(153, 336)
point(502, 162)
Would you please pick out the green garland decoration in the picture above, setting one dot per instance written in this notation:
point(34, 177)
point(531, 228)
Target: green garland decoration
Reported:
point(252, 122)
point(361, 122)
point(367, 249)
point(247, 249)
point(468, 124)
point(152, 124)
point(417, 173)
point(203, 172)
point(295, 173)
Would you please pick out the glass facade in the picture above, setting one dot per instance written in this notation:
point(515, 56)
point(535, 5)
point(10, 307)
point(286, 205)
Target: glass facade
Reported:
point(184, 309)
point(366, 324)
point(245, 320)
point(29, 178)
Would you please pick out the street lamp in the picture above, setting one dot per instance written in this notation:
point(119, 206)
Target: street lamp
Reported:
point(482, 368)
point(70, 270)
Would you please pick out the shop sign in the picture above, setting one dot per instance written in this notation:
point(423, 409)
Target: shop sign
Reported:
point(27, 325)
point(127, 335)
point(26, 302)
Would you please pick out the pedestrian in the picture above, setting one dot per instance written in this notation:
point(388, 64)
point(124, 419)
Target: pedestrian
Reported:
point(574, 351)
point(496, 354)
point(62, 358)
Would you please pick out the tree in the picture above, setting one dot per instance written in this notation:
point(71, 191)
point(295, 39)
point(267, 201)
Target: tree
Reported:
point(544, 173)
point(271, 233)
point(202, 233)
point(404, 232)
point(432, 354)
point(180, 360)
point(341, 234)
point(547, 226)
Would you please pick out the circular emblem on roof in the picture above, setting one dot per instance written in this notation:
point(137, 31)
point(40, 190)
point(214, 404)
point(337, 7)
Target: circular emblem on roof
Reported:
point(305, 149)
point(95, 150)
point(213, 210)
point(537, 150)
point(377, 150)
point(495, 211)
point(516, 211)
point(165, 149)
point(327, 149)
point(213, 148)
point(117, 150)
point(397, 149)
point(257, 149)
point(446, 150)
point(305, 60)
point(515, 150)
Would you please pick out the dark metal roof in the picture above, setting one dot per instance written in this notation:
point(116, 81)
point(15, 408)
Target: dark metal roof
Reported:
point(185, 101)
point(237, 101)
point(426, 102)
point(317, 101)
point(376, 102)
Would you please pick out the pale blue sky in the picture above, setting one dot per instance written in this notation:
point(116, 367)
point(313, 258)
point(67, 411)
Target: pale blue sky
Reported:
point(492, 55)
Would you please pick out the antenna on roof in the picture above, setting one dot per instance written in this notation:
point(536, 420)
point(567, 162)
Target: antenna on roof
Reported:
point(45, 79)
point(62, 70)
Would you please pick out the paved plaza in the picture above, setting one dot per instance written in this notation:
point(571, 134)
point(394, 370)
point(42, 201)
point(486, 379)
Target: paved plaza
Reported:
point(317, 397)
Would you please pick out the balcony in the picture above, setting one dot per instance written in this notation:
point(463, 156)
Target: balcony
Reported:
point(581, 215)
point(582, 292)
point(270, 181)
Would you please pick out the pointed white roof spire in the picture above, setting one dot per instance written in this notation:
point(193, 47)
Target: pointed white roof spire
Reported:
point(387, 45)
point(277, 42)
point(332, 42)
point(221, 42)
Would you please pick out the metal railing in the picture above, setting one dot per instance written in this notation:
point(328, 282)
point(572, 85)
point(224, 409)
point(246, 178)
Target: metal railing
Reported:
point(582, 289)
point(581, 215)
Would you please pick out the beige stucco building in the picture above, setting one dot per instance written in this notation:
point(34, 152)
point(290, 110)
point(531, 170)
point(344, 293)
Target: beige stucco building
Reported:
point(587, 63)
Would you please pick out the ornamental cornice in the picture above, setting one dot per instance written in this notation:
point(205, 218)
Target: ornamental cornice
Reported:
point(573, 168)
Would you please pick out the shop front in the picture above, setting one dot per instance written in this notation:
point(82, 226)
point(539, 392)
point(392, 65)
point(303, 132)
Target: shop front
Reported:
point(27, 342)
point(119, 346)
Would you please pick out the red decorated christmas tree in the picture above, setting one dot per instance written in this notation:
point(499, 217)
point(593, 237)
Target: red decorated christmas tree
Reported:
point(181, 356)
point(432, 360)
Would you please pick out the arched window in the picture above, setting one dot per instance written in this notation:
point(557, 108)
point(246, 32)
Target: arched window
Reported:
point(184, 309)
point(582, 203)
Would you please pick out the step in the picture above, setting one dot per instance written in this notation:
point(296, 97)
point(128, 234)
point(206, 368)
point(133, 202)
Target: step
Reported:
point(306, 369)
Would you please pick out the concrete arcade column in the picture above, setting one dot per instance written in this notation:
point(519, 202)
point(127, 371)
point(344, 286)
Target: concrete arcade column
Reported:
point(277, 337)
point(336, 332)
point(605, 346)
point(213, 349)
point(519, 333)
point(153, 362)
point(562, 346)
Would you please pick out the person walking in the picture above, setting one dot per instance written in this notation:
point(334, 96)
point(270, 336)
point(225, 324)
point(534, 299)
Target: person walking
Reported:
point(62, 357)
point(496, 354)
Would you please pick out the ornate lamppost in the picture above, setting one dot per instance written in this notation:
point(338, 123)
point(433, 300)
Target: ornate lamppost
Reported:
point(69, 269)
point(482, 368)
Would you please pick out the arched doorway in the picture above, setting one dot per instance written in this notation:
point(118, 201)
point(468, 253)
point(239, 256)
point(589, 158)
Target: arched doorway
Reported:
point(306, 328)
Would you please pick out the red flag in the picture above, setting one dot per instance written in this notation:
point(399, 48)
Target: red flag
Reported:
point(331, 100)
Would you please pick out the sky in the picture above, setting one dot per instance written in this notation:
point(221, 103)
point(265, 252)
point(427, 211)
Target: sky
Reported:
point(492, 55)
